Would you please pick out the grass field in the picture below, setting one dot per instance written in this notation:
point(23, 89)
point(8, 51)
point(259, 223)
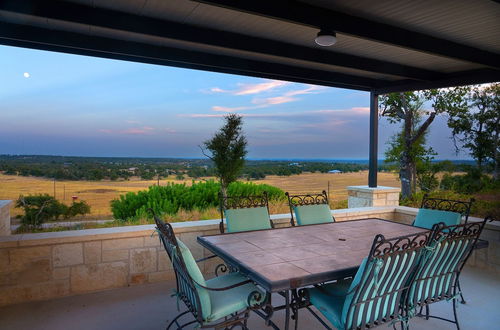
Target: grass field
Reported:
point(99, 193)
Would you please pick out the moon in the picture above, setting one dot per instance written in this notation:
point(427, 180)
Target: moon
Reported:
point(26, 75)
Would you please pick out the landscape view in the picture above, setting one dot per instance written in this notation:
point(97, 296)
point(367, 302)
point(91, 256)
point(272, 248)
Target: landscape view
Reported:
point(216, 164)
point(119, 153)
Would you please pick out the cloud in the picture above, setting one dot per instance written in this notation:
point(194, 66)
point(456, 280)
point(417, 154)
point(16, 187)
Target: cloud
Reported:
point(300, 116)
point(146, 130)
point(132, 121)
point(247, 89)
point(270, 101)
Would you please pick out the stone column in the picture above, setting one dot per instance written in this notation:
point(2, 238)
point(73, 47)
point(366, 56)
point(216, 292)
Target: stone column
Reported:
point(364, 196)
point(5, 217)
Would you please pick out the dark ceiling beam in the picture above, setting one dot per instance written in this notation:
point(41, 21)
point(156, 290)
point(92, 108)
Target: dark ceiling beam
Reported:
point(302, 13)
point(75, 43)
point(72, 12)
point(471, 77)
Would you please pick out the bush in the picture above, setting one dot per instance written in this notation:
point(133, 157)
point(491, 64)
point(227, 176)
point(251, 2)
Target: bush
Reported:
point(43, 207)
point(169, 199)
point(77, 208)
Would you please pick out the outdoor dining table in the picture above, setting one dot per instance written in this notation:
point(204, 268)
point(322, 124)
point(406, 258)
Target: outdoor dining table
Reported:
point(284, 259)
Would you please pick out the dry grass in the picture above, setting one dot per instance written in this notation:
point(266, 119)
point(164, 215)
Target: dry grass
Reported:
point(99, 193)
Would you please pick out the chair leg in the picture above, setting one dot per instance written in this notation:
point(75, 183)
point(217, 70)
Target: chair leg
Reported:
point(462, 301)
point(175, 320)
point(427, 312)
point(455, 313)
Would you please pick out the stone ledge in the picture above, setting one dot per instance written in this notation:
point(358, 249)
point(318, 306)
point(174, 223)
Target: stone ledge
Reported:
point(375, 190)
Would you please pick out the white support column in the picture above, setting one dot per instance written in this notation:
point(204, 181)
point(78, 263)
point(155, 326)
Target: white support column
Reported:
point(5, 217)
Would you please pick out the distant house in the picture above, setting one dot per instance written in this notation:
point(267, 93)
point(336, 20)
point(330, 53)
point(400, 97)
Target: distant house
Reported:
point(335, 171)
point(294, 164)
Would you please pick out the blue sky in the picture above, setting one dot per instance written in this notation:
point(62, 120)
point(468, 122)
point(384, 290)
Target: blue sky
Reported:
point(85, 106)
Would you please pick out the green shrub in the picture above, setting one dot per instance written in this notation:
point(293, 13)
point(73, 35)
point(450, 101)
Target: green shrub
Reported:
point(77, 208)
point(43, 207)
point(171, 198)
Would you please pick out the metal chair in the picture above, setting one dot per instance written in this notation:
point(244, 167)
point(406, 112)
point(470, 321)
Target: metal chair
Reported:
point(450, 212)
point(375, 294)
point(437, 277)
point(221, 302)
point(309, 209)
point(449, 205)
point(245, 213)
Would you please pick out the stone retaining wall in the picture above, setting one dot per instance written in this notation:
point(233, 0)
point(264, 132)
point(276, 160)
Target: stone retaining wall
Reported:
point(50, 265)
point(5, 217)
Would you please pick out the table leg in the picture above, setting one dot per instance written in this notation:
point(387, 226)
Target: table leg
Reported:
point(286, 294)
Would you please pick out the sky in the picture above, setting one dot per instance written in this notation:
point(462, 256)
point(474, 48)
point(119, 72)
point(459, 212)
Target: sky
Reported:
point(60, 104)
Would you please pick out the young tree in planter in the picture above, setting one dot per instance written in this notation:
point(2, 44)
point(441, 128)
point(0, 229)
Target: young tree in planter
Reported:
point(478, 128)
point(228, 148)
point(407, 108)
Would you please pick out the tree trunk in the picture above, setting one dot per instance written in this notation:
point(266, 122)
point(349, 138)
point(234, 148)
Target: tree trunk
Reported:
point(405, 176)
point(496, 157)
point(223, 189)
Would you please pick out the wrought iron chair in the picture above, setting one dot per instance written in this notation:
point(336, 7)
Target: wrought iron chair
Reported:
point(309, 209)
point(221, 302)
point(436, 210)
point(437, 277)
point(447, 211)
point(245, 213)
point(375, 294)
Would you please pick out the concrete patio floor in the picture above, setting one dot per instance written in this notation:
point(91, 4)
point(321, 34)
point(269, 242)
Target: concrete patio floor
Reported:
point(150, 307)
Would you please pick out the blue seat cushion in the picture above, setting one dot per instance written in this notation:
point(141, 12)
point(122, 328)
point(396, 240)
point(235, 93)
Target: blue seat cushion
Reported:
point(233, 300)
point(426, 218)
point(313, 214)
point(329, 299)
point(333, 300)
point(195, 273)
point(245, 219)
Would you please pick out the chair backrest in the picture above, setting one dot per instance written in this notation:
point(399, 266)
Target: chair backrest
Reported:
point(462, 207)
point(196, 298)
point(244, 213)
point(382, 280)
point(435, 278)
point(309, 209)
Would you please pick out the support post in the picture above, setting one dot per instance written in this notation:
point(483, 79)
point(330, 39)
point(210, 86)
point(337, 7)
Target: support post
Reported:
point(373, 162)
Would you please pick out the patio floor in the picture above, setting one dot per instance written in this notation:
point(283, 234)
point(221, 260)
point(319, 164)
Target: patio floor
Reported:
point(150, 307)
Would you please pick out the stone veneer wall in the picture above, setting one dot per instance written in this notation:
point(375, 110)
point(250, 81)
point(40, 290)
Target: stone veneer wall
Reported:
point(50, 265)
point(5, 217)
point(364, 196)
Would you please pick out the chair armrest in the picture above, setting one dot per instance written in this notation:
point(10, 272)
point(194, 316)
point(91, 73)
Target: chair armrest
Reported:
point(206, 258)
point(224, 288)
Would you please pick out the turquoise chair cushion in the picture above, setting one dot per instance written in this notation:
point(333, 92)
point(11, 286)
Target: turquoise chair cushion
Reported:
point(333, 300)
point(245, 219)
point(197, 276)
point(233, 300)
point(426, 218)
point(312, 214)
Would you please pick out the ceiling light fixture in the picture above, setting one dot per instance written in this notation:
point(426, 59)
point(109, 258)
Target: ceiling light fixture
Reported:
point(326, 38)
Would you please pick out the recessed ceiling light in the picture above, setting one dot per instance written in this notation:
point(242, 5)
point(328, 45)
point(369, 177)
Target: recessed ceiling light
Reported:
point(326, 38)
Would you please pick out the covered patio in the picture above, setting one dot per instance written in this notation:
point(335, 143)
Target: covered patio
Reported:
point(120, 277)
point(149, 307)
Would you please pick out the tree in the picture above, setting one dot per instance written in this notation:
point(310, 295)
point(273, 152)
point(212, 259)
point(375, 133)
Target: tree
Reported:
point(407, 108)
point(228, 150)
point(477, 128)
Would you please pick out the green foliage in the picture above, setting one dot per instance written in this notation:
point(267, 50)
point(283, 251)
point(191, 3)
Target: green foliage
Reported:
point(472, 182)
point(228, 150)
point(480, 207)
point(77, 208)
point(408, 148)
point(477, 128)
point(43, 207)
point(171, 198)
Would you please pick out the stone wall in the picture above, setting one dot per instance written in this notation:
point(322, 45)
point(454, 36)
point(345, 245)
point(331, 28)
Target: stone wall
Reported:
point(50, 265)
point(5, 217)
point(364, 196)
